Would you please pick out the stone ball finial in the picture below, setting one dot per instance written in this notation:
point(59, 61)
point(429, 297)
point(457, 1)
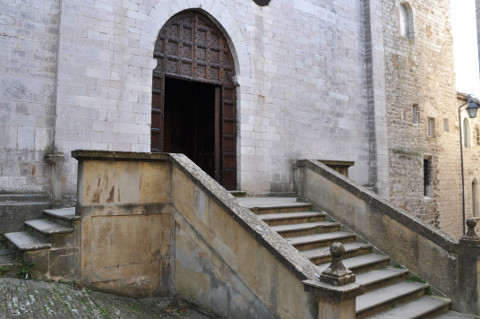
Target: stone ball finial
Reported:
point(471, 223)
point(337, 250)
point(471, 236)
point(337, 274)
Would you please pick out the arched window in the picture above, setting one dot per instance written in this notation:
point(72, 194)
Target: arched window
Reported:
point(475, 208)
point(466, 133)
point(406, 21)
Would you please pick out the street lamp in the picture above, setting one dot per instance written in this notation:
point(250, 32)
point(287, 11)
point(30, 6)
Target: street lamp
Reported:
point(472, 109)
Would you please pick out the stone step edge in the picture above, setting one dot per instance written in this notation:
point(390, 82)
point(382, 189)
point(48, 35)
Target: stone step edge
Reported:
point(68, 217)
point(60, 228)
point(390, 300)
point(305, 240)
point(396, 275)
point(431, 309)
point(33, 243)
point(279, 209)
point(304, 226)
point(325, 251)
point(290, 215)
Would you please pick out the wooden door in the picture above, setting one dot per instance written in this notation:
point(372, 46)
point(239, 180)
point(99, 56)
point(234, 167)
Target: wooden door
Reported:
point(191, 47)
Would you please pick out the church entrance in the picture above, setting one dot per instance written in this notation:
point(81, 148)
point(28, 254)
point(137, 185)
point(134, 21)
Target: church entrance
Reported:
point(193, 96)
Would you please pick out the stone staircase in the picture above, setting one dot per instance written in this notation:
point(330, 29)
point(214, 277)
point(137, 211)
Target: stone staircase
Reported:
point(51, 243)
point(390, 290)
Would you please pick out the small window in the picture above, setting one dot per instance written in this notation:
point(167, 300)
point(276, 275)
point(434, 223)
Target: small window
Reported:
point(427, 177)
point(431, 127)
point(445, 125)
point(466, 133)
point(415, 114)
point(406, 21)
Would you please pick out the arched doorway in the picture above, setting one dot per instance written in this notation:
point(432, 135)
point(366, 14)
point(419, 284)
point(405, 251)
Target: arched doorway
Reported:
point(193, 95)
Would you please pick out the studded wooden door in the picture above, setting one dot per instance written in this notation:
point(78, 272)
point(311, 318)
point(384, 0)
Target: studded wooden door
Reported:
point(191, 47)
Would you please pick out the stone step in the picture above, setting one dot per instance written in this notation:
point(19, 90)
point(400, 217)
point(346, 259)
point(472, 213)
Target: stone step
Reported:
point(67, 213)
point(376, 301)
point(322, 255)
point(378, 278)
point(419, 308)
point(273, 205)
point(63, 216)
point(47, 227)
point(320, 240)
point(304, 229)
point(58, 234)
point(456, 315)
point(362, 263)
point(292, 218)
point(24, 241)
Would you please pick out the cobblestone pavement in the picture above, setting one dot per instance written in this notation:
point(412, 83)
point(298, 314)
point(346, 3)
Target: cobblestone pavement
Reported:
point(37, 299)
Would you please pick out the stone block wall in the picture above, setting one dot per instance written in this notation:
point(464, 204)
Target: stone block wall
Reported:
point(419, 71)
point(301, 90)
point(28, 42)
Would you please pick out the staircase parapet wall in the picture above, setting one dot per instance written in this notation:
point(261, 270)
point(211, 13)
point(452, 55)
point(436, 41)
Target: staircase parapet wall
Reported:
point(156, 224)
point(448, 265)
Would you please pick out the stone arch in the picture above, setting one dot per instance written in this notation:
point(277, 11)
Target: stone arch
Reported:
point(217, 11)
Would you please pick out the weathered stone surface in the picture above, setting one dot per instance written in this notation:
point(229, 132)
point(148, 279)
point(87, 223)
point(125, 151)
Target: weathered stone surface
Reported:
point(42, 300)
point(64, 263)
point(200, 244)
point(436, 257)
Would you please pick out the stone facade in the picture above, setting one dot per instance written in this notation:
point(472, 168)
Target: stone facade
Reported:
point(295, 85)
point(28, 60)
point(78, 75)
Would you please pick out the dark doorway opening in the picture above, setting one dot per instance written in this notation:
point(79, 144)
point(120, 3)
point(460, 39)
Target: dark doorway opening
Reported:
point(190, 121)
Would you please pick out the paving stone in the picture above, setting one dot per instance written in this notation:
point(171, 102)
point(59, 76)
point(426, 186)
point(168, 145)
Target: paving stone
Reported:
point(37, 299)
